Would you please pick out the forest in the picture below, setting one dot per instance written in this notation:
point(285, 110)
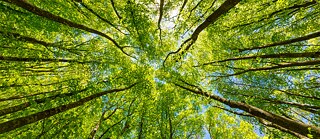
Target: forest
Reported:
point(149, 69)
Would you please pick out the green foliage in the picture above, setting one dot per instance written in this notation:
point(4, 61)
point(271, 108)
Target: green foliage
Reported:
point(46, 62)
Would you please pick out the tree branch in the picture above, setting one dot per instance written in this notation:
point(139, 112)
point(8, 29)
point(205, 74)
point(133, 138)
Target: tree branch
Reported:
point(280, 55)
point(303, 38)
point(286, 65)
point(115, 10)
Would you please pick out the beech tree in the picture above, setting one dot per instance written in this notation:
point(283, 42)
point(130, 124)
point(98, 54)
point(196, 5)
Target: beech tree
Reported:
point(159, 69)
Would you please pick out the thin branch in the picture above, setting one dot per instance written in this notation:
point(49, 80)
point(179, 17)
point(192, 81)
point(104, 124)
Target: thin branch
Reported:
point(284, 91)
point(128, 115)
point(280, 55)
point(36, 94)
point(236, 113)
point(25, 59)
point(115, 10)
point(195, 7)
point(111, 127)
point(177, 51)
point(206, 11)
point(307, 107)
point(299, 39)
point(95, 129)
point(286, 65)
point(100, 17)
point(294, 9)
point(304, 117)
point(25, 38)
point(181, 9)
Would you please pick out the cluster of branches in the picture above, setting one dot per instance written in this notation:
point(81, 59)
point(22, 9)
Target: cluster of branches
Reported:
point(301, 65)
point(296, 128)
point(222, 10)
point(267, 118)
point(22, 121)
point(45, 14)
point(211, 19)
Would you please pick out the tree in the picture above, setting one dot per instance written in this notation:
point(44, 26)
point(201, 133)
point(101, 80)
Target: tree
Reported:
point(159, 69)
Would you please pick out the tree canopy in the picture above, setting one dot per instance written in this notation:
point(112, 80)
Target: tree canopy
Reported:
point(160, 69)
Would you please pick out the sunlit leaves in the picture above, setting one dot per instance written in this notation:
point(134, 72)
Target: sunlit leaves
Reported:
point(46, 63)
